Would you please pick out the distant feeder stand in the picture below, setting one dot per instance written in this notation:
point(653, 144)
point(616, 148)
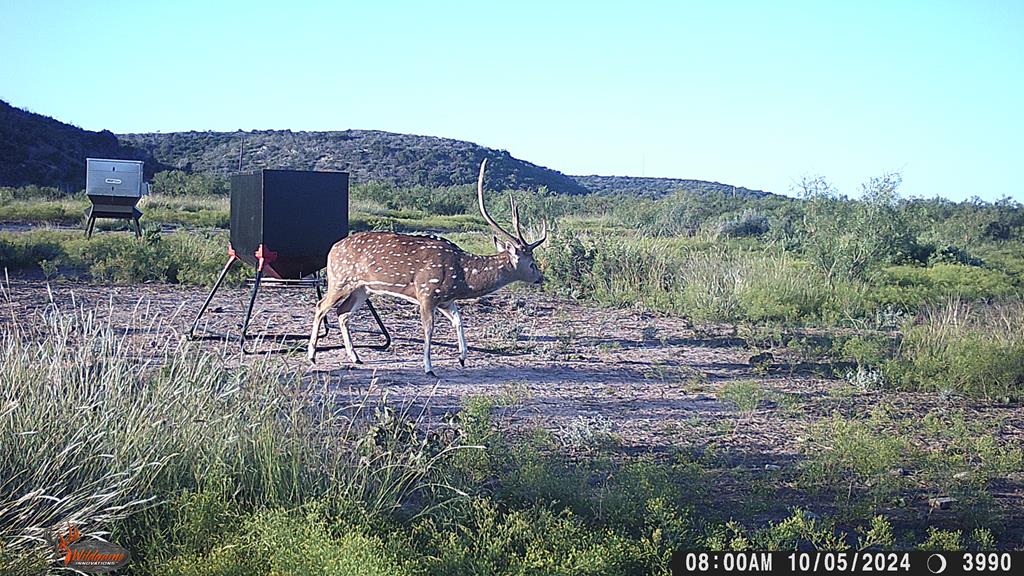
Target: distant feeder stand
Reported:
point(114, 187)
point(284, 223)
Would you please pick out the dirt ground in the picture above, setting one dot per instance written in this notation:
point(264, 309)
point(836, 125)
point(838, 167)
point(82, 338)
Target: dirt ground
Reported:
point(650, 380)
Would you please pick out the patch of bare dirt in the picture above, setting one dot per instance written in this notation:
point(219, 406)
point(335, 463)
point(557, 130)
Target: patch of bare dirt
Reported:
point(651, 380)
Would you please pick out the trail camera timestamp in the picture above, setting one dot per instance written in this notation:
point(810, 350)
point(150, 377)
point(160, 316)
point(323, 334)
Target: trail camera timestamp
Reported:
point(861, 562)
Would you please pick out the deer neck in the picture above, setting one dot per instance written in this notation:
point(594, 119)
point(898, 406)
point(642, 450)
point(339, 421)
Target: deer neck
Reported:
point(485, 274)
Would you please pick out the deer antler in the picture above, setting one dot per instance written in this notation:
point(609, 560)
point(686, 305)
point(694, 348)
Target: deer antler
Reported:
point(515, 218)
point(543, 236)
point(519, 240)
point(498, 230)
point(73, 535)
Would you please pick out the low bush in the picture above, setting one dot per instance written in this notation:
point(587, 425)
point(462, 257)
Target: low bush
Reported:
point(706, 283)
point(912, 287)
point(747, 223)
point(195, 258)
point(866, 466)
point(94, 436)
point(963, 348)
point(56, 211)
point(179, 183)
point(281, 542)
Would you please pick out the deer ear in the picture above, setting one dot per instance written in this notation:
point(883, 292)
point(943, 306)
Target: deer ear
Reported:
point(503, 246)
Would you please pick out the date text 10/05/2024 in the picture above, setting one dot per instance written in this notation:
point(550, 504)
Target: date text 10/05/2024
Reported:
point(863, 562)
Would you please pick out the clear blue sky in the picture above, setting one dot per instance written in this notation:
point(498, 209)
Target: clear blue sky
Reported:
point(755, 94)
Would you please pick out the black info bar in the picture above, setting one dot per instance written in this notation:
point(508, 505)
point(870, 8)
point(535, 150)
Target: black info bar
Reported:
point(862, 562)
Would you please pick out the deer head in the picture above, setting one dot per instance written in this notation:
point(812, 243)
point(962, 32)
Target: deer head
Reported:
point(519, 250)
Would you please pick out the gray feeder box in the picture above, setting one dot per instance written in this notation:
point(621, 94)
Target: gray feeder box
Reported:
point(114, 187)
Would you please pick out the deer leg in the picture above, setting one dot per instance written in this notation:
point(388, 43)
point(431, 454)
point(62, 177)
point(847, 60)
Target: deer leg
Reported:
point(451, 311)
point(354, 302)
point(427, 316)
point(325, 304)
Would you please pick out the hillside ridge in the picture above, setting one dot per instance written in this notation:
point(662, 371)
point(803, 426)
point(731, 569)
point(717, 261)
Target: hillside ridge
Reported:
point(37, 149)
point(367, 155)
point(40, 150)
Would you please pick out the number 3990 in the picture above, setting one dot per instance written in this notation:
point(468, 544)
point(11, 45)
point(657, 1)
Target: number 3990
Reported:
point(986, 561)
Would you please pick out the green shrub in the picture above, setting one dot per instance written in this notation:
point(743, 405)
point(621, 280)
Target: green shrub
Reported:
point(277, 542)
point(868, 350)
point(706, 283)
point(953, 255)
point(31, 192)
point(976, 350)
point(794, 532)
point(910, 287)
point(847, 239)
point(179, 183)
point(745, 394)
point(568, 264)
point(184, 421)
point(65, 210)
point(537, 540)
point(888, 459)
point(854, 460)
point(775, 288)
point(944, 540)
point(27, 251)
point(747, 223)
point(109, 258)
point(121, 258)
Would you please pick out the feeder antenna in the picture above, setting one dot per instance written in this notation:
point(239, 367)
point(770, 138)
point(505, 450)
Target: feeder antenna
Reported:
point(241, 150)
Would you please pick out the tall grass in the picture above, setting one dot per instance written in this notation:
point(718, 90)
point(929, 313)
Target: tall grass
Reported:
point(97, 429)
point(686, 277)
point(195, 211)
point(964, 347)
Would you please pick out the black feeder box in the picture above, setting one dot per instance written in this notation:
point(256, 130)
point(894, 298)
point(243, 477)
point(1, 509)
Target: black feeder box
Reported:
point(284, 223)
point(114, 187)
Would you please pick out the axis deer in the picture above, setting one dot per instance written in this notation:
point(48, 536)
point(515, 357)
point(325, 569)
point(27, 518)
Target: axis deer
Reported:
point(425, 270)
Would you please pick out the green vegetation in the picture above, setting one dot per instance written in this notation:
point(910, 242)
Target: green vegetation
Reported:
point(745, 394)
point(963, 348)
point(909, 310)
point(872, 264)
point(205, 469)
point(871, 464)
point(177, 258)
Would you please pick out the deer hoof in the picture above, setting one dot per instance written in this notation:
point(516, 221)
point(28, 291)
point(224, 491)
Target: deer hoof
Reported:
point(431, 374)
point(462, 362)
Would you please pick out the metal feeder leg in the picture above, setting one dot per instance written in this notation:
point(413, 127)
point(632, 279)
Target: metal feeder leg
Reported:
point(319, 297)
point(252, 301)
point(216, 285)
point(380, 324)
point(89, 226)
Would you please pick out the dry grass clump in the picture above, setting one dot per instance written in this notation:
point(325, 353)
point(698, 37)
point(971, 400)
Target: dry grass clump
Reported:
point(95, 428)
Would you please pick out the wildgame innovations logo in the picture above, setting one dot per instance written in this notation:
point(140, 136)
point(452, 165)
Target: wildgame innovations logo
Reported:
point(93, 556)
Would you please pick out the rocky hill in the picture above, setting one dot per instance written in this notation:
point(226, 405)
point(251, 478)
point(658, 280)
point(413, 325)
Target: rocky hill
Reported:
point(36, 149)
point(367, 155)
point(659, 186)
